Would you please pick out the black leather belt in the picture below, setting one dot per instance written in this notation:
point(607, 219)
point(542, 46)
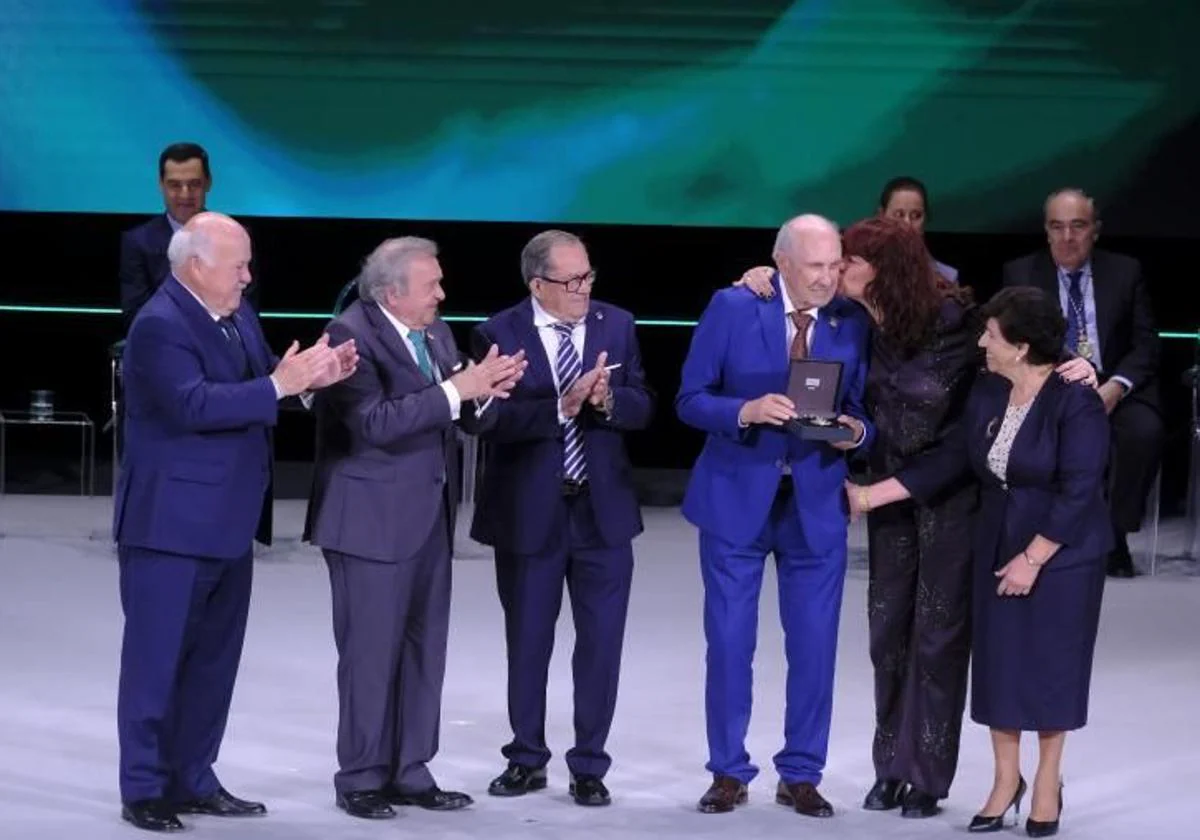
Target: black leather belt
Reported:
point(572, 488)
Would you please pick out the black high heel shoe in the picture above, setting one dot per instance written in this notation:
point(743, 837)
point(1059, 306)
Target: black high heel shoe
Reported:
point(982, 824)
point(1038, 828)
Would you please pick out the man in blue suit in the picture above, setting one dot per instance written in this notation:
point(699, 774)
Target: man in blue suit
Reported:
point(756, 489)
point(202, 393)
point(558, 504)
point(184, 178)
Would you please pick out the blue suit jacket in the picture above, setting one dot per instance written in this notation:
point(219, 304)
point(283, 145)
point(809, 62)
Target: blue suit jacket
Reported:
point(1055, 482)
point(739, 353)
point(523, 470)
point(143, 265)
point(196, 469)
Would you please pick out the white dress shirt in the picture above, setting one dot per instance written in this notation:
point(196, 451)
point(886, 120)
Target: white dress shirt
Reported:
point(452, 395)
point(788, 309)
point(544, 323)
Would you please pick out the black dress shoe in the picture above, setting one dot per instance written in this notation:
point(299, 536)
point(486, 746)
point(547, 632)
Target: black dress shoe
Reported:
point(803, 798)
point(723, 795)
point(919, 805)
point(222, 804)
point(365, 804)
point(434, 799)
point(589, 790)
point(1120, 561)
point(884, 795)
point(151, 815)
point(518, 780)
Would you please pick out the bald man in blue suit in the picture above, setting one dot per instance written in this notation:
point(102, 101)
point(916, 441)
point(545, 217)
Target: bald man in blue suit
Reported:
point(757, 489)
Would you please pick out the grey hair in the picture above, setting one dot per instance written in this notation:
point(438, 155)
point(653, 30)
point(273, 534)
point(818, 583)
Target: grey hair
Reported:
point(387, 266)
point(186, 244)
point(784, 240)
point(1074, 191)
point(535, 256)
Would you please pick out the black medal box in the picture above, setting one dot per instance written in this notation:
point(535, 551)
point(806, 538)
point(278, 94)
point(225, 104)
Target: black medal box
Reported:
point(813, 386)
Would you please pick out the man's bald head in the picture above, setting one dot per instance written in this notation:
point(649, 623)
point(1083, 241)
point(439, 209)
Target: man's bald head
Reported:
point(800, 228)
point(211, 256)
point(808, 253)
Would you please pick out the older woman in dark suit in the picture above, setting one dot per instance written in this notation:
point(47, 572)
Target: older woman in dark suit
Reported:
point(1037, 444)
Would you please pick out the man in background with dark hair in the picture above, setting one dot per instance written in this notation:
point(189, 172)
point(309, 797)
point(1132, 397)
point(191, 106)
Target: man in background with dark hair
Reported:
point(184, 177)
point(1111, 325)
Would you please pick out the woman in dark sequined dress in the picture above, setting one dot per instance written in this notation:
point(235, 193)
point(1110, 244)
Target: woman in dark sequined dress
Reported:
point(923, 361)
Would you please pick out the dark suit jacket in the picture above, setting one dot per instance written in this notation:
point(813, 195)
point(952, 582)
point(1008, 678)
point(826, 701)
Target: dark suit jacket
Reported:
point(523, 470)
point(144, 266)
point(1055, 477)
point(196, 470)
point(1129, 343)
point(386, 443)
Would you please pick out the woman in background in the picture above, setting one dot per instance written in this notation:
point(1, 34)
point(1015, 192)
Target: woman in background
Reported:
point(905, 199)
point(1037, 445)
point(923, 361)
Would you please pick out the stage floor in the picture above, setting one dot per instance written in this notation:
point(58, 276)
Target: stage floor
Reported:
point(1132, 772)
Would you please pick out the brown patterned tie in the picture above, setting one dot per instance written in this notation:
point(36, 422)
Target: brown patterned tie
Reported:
point(803, 321)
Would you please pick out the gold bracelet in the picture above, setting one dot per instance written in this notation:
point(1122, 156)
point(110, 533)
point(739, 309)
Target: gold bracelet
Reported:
point(1028, 560)
point(864, 498)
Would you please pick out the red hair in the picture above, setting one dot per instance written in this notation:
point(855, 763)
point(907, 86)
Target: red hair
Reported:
point(907, 292)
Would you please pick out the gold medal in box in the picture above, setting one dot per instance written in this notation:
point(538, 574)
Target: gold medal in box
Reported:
point(813, 386)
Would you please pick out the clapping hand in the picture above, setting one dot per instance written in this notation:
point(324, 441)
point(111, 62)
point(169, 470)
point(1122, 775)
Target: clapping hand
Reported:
point(590, 387)
point(342, 365)
point(298, 370)
point(494, 376)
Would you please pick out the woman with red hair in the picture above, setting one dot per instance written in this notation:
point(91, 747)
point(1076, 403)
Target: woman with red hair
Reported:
point(923, 362)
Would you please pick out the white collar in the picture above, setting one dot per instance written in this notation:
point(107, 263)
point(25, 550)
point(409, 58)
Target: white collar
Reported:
point(542, 318)
point(211, 314)
point(402, 328)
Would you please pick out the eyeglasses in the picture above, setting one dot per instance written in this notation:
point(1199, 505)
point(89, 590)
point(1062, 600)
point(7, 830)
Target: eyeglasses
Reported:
point(574, 284)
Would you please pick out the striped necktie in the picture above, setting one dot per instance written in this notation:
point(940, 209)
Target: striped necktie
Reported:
point(569, 367)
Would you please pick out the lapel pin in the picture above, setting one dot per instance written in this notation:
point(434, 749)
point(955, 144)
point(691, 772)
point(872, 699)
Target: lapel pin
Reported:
point(833, 322)
point(599, 316)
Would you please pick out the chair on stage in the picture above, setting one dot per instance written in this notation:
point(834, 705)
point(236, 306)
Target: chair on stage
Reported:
point(114, 424)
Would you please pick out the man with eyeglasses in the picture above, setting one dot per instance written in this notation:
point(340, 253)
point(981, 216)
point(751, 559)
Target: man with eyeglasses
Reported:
point(1111, 332)
point(558, 504)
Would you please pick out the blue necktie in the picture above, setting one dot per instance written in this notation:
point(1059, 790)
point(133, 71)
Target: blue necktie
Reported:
point(1076, 316)
point(421, 345)
point(569, 367)
point(233, 338)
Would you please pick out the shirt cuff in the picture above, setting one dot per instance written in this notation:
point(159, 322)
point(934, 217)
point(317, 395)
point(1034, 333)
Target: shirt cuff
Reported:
point(453, 398)
point(275, 385)
point(1123, 381)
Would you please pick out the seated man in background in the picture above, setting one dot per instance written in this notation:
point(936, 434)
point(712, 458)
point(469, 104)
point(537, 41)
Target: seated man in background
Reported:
point(1111, 325)
point(184, 177)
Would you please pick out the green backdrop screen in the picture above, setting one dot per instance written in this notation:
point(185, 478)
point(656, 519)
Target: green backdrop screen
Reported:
point(681, 112)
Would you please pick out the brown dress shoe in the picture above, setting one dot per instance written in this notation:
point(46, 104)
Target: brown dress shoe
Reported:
point(803, 797)
point(725, 794)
